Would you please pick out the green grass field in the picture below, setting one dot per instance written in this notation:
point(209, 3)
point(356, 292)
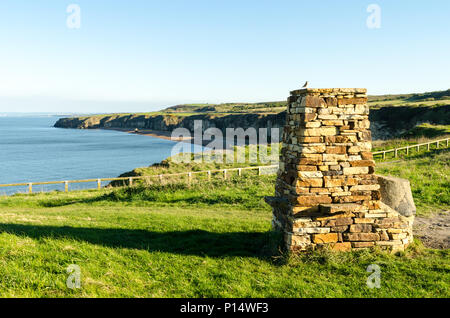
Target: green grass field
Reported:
point(212, 239)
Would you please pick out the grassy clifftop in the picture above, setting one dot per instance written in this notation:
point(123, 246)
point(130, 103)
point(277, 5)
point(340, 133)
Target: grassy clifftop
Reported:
point(438, 98)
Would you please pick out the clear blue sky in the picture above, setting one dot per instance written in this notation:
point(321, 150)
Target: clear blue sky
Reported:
point(140, 55)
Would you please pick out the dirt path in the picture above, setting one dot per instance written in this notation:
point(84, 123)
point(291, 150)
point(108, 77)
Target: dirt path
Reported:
point(434, 231)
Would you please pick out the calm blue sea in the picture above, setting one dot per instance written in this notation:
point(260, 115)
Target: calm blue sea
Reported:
point(32, 150)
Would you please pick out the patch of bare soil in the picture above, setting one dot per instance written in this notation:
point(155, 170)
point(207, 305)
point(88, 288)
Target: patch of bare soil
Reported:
point(434, 231)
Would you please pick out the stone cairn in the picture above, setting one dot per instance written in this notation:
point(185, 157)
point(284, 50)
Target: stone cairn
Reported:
point(327, 194)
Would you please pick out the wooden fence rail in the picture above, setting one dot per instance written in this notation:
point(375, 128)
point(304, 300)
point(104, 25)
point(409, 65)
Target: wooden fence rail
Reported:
point(160, 177)
point(224, 172)
point(415, 146)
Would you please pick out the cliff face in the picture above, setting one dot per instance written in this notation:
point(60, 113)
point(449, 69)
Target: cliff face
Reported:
point(390, 122)
point(170, 122)
point(387, 122)
point(159, 122)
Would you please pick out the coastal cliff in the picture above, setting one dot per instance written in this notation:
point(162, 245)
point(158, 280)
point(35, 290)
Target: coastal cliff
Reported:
point(169, 122)
point(387, 122)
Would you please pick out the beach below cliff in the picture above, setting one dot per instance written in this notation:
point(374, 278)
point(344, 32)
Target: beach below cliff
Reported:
point(167, 135)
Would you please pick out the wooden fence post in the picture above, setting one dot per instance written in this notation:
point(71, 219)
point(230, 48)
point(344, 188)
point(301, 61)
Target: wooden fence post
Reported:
point(99, 184)
point(224, 174)
point(240, 172)
point(189, 178)
point(130, 182)
point(66, 186)
point(259, 171)
point(30, 187)
point(209, 175)
point(395, 154)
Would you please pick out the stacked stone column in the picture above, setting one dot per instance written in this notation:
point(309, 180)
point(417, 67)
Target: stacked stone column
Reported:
point(326, 193)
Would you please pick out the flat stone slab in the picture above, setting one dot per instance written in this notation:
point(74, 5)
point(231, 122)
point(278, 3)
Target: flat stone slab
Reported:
point(340, 208)
point(329, 90)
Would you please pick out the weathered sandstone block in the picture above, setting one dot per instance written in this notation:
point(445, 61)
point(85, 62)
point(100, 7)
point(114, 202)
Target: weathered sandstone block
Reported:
point(396, 193)
point(325, 238)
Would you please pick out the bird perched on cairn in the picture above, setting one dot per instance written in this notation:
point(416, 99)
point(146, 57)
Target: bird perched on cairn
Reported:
point(306, 85)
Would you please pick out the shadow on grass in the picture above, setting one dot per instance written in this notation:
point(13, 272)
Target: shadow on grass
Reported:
point(153, 193)
point(263, 245)
point(147, 195)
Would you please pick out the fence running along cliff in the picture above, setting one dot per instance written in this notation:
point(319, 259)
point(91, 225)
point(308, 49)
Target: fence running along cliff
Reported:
point(439, 144)
point(262, 170)
point(225, 173)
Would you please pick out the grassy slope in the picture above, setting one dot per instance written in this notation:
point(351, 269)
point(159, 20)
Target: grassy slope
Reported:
point(209, 240)
point(205, 161)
